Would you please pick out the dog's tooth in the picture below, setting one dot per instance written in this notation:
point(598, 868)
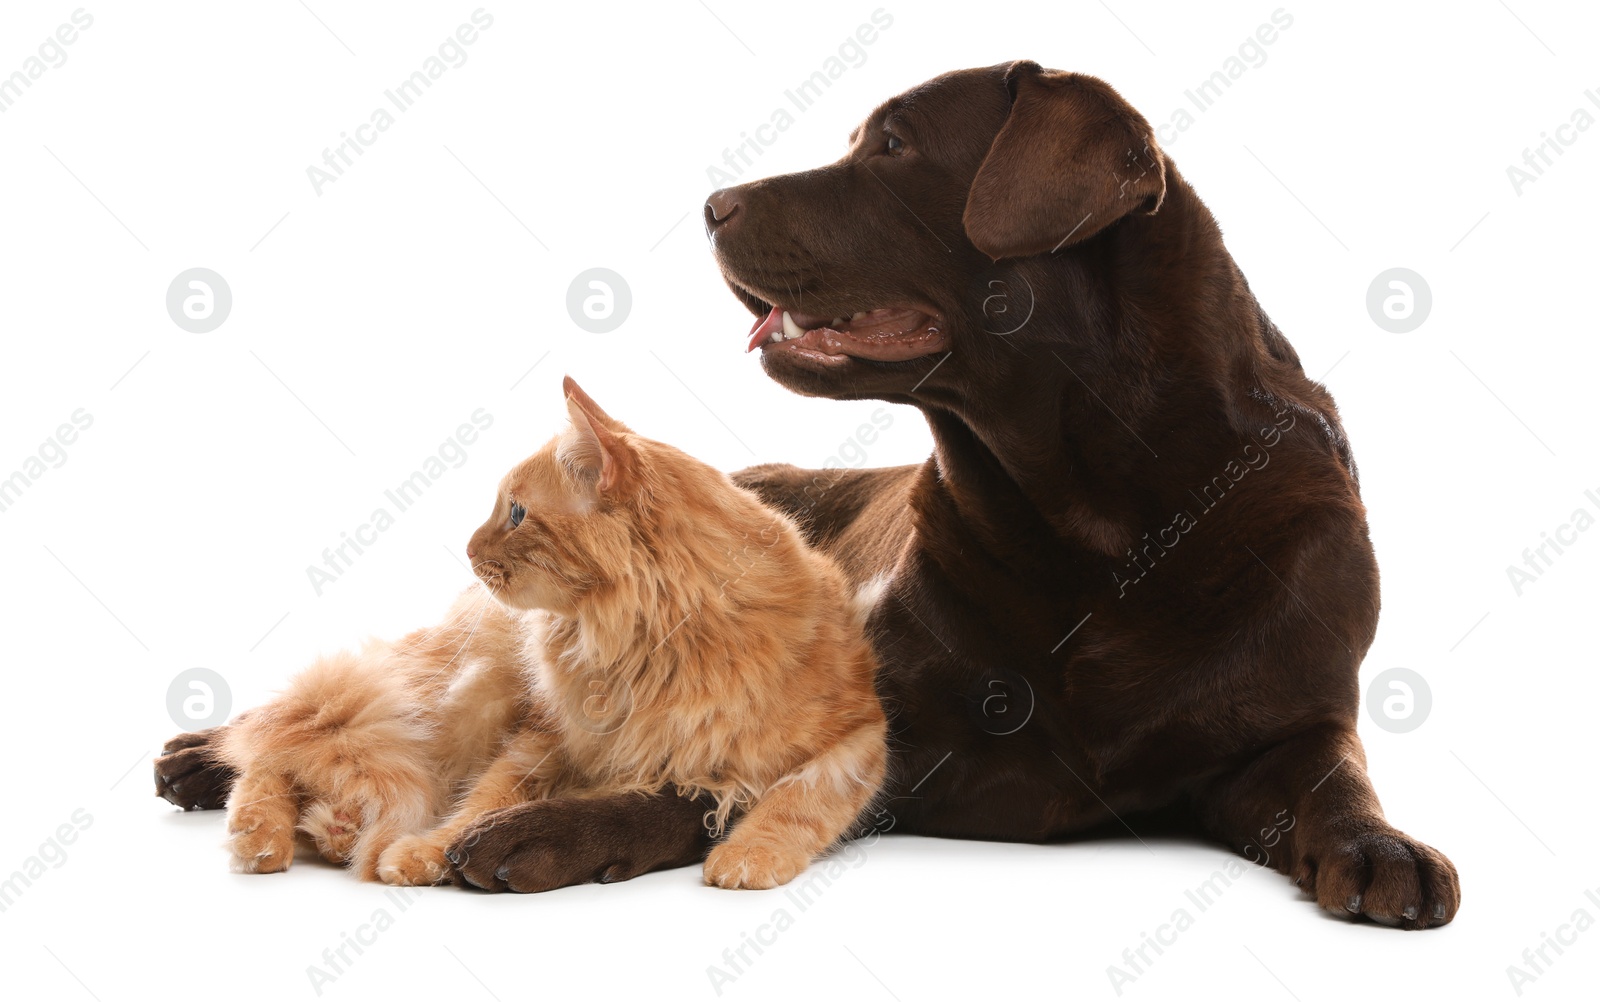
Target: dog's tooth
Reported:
point(775, 337)
point(857, 315)
point(838, 321)
point(791, 330)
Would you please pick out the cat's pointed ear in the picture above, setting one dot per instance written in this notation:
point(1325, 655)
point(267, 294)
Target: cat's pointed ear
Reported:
point(575, 392)
point(596, 450)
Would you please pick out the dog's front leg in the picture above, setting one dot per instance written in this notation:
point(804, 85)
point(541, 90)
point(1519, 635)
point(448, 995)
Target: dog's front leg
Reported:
point(1306, 808)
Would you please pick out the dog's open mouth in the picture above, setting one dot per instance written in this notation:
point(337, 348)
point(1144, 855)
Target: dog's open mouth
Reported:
point(894, 334)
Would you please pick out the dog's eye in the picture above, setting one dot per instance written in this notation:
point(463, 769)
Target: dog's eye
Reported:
point(518, 513)
point(895, 145)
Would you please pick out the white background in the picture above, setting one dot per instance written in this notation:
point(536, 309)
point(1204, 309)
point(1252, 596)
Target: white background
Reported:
point(372, 319)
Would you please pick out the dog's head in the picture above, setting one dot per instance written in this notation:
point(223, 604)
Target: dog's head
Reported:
point(931, 237)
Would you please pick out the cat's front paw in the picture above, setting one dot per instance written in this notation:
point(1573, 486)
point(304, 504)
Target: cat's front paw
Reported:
point(755, 865)
point(416, 860)
point(260, 839)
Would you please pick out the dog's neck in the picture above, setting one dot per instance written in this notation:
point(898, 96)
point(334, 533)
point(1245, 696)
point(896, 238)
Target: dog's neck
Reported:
point(1152, 318)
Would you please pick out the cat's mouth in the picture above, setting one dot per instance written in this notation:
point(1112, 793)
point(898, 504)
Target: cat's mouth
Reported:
point(889, 334)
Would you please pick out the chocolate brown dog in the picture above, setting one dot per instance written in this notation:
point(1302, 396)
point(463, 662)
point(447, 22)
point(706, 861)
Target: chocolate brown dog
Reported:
point(1135, 574)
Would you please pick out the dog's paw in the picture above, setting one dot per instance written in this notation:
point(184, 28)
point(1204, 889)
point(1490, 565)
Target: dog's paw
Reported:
point(260, 839)
point(416, 860)
point(754, 865)
point(189, 774)
point(542, 845)
point(512, 850)
point(1385, 876)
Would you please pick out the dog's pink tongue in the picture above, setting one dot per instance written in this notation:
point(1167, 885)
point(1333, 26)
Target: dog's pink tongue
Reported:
point(762, 332)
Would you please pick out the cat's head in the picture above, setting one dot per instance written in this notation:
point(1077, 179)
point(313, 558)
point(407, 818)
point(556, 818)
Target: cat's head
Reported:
point(564, 518)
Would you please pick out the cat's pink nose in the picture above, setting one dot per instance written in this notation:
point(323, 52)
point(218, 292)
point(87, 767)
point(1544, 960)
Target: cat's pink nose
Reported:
point(469, 553)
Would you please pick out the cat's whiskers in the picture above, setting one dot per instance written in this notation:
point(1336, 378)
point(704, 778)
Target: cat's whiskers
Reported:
point(494, 577)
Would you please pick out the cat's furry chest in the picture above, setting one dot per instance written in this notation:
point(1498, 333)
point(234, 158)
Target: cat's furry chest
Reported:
point(642, 723)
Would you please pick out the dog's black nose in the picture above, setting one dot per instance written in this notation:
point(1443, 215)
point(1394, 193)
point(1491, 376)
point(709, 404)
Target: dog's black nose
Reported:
point(721, 207)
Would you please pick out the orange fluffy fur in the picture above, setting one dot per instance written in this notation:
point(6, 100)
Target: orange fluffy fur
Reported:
point(364, 748)
point(652, 626)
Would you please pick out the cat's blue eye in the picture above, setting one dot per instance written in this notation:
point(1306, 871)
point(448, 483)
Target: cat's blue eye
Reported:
point(517, 514)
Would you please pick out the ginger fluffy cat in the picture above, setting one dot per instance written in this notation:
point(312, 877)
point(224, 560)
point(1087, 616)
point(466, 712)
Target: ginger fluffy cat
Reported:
point(644, 624)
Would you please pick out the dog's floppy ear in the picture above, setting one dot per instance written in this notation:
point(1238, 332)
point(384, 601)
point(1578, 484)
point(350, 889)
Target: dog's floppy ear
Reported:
point(1072, 159)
